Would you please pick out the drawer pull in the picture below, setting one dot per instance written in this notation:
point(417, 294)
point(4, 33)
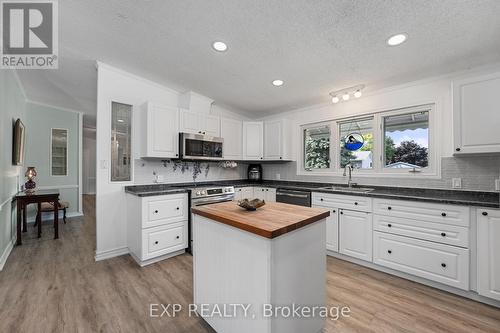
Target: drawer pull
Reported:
point(443, 265)
point(389, 251)
point(334, 211)
point(156, 211)
point(389, 208)
point(443, 214)
point(355, 203)
point(177, 237)
point(389, 225)
point(342, 213)
point(485, 213)
point(321, 199)
point(177, 208)
point(156, 242)
point(443, 234)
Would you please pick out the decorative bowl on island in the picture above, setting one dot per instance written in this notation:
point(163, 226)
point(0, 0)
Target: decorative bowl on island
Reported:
point(251, 205)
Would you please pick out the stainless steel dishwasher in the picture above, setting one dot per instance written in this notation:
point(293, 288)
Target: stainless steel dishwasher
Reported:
point(294, 197)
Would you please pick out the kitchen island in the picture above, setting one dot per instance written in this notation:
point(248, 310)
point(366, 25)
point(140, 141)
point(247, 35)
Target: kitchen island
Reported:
point(252, 268)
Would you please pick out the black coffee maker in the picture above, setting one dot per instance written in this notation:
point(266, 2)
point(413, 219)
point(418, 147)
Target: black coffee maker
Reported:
point(255, 172)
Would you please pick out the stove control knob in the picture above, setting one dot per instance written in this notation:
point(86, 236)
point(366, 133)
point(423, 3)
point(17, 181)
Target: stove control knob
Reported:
point(198, 193)
point(203, 192)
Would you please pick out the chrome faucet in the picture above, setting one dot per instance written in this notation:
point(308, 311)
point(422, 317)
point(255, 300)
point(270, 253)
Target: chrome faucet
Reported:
point(349, 167)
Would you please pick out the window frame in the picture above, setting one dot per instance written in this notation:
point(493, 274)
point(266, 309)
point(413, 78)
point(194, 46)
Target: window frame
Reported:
point(378, 170)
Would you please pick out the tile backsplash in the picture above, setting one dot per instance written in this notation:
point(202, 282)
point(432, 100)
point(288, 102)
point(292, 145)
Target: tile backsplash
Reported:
point(145, 171)
point(478, 173)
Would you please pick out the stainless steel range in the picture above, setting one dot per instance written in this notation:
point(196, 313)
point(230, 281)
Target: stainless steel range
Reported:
point(201, 196)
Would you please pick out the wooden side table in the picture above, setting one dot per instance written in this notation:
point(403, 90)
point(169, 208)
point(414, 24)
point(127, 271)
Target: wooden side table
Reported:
point(24, 199)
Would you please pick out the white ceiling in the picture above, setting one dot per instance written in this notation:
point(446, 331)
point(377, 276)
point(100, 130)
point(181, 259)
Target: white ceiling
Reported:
point(315, 46)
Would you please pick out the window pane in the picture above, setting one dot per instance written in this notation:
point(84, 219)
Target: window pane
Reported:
point(59, 152)
point(362, 158)
point(317, 148)
point(121, 128)
point(407, 140)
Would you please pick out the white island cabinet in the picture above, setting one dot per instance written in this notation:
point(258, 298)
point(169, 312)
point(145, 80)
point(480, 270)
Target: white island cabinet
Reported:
point(271, 257)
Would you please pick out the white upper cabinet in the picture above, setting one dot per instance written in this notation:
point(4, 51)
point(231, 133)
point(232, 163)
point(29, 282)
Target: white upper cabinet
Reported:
point(276, 140)
point(160, 131)
point(253, 140)
point(488, 253)
point(231, 132)
point(199, 123)
point(476, 114)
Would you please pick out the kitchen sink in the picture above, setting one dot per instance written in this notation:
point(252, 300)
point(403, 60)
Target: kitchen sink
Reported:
point(347, 189)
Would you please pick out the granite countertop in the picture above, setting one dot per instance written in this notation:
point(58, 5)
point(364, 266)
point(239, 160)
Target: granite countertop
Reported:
point(457, 197)
point(269, 221)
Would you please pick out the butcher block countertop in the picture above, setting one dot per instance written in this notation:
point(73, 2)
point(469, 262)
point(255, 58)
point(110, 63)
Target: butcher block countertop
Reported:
point(270, 221)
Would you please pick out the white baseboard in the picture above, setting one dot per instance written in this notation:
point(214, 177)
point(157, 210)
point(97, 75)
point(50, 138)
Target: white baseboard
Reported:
point(160, 258)
point(103, 255)
point(464, 293)
point(49, 216)
point(6, 253)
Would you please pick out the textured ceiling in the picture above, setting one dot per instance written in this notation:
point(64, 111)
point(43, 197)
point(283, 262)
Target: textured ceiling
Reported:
point(315, 46)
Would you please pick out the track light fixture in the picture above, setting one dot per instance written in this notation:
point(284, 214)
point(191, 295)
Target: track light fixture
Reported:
point(346, 93)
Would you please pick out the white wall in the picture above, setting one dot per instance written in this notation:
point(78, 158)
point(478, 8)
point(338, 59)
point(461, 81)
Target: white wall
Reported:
point(116, 85)
point(89, 161)
point(479, 172)
point(40, 119)
point(12, 107)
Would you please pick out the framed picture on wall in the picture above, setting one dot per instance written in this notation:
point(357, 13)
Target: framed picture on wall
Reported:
point(18, 143)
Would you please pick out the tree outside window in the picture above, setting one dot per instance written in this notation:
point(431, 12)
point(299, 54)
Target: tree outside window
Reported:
point(317, 148)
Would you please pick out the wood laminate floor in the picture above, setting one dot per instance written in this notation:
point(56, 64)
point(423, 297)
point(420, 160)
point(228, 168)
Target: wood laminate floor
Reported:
point(55, 286)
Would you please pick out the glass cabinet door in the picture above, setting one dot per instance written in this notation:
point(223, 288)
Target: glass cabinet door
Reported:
point(121, 141)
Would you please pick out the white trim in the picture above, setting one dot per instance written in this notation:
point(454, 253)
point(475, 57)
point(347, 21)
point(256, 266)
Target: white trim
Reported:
point(4, 203)
point(80, 163)
point(49, 216)
point(153, 260)
point(54, 106)
point(119, 251)
point(101, 65)
point(67, 151)
point(57, 187)
point(6, 253)
point(464, 293)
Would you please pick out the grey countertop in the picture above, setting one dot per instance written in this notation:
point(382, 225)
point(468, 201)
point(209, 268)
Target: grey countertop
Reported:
point(457, 197)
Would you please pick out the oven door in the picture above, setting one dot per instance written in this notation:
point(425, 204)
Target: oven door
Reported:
point(200, 147)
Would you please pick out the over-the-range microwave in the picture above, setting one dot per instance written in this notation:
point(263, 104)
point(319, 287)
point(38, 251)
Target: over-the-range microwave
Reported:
point(200, 147)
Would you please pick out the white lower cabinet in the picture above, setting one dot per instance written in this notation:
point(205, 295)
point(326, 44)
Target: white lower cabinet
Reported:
point(157, 226)
point(332, 229)
point(355, 234)
point(488, 253)
point(265, 193)
point(243, 193)
point(438, 262)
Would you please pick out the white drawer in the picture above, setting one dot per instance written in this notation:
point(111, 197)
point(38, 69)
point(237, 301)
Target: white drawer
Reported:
point(442, 263)
point(350, 202)
point(162, 240)
point(424, 211)
point(164, 210)
point(436, 232)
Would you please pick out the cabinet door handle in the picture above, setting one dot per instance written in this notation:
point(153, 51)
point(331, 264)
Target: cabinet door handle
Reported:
point(334, 211)
point(321, 199)
point(389, 251)
point(443, 234)
point(355, 203)
point(156, 211)
point(389, 225)
point(176, 155)
point(177, 237)
point(443, 265)
point(485, 213)
point(156, 242)
point(443, 214)
point(457, 149)
point(389, 208)
point(342, 213)
point(281, 158)
point(177, 208)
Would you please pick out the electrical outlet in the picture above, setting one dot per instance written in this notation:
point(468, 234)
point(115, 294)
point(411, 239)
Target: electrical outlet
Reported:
point(456, 183)
point(278, 176)
point(497, 185)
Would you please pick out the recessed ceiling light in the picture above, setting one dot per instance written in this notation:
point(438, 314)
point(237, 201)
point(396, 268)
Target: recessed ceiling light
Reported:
point(219, 46)
point(396, 39)
point(278, 83)
point(335, 99)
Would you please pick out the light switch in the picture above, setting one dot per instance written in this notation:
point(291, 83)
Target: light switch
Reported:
point(278, 176)
point(456, 183)
point(497, 185)
point(104, 164)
